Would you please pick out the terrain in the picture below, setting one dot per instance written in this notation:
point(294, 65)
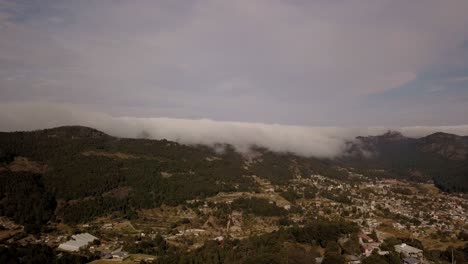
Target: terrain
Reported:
point(440, 157)
point(175, 203)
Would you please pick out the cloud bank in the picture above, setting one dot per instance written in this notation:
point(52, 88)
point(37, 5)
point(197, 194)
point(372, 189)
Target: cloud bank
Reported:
point(302, 140)
point(294, 62)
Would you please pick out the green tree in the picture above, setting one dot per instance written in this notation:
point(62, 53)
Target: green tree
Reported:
point(374, 259)
point(333, 259)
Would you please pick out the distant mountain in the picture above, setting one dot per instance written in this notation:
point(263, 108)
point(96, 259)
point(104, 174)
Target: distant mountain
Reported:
point(440, 157)
point(72, 132)
point(449, 146)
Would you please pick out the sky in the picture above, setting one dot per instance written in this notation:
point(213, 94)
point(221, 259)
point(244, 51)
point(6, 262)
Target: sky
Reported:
point(296, 63)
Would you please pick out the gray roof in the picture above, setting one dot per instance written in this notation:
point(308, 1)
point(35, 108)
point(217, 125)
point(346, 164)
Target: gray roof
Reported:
point(72, 245)
point(78, 241)
point(84, 237)
point(408, 249)
point(411, 260)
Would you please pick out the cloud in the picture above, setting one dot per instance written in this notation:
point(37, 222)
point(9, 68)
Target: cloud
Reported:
point(458, 79)
point(302, 140)
point(286, 61)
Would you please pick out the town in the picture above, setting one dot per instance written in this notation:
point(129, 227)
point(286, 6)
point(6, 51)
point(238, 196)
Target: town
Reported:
point(385, 210)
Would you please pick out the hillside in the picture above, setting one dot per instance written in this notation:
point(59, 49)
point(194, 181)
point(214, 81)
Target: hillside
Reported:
point(440, 157)
point(90, 173)
point(173, 203)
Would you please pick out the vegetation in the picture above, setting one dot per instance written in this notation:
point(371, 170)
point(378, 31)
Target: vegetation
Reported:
point(38, 254)
point(438, 157)
point(280, 168)
point(257, 206)
point(402, 190)
point(23, 198)
point(392, 258)
point(322, 232)
point(460, 255)
point(76, 174)
point(85, 168)
point(277, 247)
point(157, 246)
point(340, 198)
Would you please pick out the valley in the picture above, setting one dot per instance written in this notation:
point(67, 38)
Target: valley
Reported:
point(161, 202)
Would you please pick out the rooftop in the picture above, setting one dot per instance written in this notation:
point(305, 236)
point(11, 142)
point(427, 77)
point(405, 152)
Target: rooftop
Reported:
point(406, 248)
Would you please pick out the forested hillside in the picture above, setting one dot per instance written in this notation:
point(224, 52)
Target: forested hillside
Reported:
point(440, 157)
point(82, 173)
point(91, 174)
point(24, 199)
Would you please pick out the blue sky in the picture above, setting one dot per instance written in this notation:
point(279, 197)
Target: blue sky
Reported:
point(312, 63)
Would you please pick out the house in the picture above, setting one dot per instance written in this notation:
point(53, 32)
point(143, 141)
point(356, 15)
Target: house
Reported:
point(369, 247)
point(84, 237)
point(119, 255)
point(408, 251)
point(411, 260)
point(218, 239)
point(363, 238)
point(78, 242)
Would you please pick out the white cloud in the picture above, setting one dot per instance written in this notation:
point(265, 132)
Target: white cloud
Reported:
point(302, 140)
point(459, 79)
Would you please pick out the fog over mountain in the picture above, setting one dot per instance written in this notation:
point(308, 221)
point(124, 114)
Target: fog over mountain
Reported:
point(302, 140)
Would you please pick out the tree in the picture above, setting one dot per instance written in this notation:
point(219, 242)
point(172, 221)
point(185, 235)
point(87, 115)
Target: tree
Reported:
point(333, 259)
point(333, 248)
point(352, 246)
point(374, 259)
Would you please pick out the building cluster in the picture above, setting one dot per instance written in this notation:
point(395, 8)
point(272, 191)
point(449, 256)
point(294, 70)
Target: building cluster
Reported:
point(411, 254)
point(83, 241)
point(373, 201)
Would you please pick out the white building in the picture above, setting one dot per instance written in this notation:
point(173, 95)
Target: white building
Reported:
point(78, 242)
point(85, 237)
point(408, 251)
point(72, 245)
